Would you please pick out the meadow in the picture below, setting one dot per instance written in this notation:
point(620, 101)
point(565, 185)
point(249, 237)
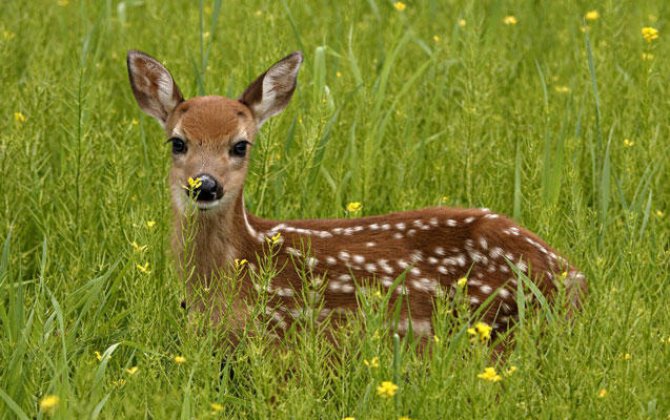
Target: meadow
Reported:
point(554, 113)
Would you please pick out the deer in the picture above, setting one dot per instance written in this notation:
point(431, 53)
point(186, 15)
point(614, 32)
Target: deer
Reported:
point(414, 256)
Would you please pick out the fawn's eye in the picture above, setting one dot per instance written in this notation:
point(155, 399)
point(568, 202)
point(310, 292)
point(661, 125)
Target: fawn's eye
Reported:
point(178, 145)
point(240, 148)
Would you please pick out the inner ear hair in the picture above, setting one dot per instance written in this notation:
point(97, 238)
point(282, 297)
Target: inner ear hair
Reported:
point(153, 86)
point(271, 92)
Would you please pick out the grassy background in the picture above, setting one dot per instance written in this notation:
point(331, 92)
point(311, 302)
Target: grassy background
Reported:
point(565, 129)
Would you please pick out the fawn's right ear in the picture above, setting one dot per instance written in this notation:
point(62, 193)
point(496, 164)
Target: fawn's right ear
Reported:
point(154, 89)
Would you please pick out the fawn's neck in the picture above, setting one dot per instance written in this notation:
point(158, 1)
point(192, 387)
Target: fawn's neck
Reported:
point(211, 242)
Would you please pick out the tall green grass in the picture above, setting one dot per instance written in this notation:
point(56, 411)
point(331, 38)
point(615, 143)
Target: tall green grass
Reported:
point(563, 127)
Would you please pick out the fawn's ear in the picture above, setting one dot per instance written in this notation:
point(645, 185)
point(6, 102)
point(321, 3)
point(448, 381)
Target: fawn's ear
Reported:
point(269, 94)
point(154, 89)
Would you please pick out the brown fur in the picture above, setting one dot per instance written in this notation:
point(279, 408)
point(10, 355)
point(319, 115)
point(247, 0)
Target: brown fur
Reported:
point(432, 248)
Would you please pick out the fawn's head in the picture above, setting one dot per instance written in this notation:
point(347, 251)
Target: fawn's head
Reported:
point(210, 136)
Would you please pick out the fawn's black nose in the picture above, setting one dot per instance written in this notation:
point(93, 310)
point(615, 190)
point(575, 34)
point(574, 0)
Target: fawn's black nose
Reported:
point(207, 189)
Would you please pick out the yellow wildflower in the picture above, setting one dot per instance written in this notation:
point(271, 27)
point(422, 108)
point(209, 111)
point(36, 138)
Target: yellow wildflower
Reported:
point(490, 375)
point(647, 56)
point(404, 418)
point(628, 143)
point(602, 393)
point(180, 360)
point(132, 370)
point(592, 15)
point(436, 39)
point(387, 389)
point(373, 363)
point(510, 371)
point(562, 89)
point(151, 224)
point(144, 269)
point(119, 383)
point(99, 356)
point(627, 356)
point(338, 74)
point(649, 33)
point(349, 418)
point(436, 339)
point(462, 23)
point(19, 117)
point(193, 183)
point(240, 263)
point(134, 121)
point(354, 207)
point(482, 330)
point(216, 407)
point(275, 239)
point(462, 282)
point(399, 6)
point(510, 20)
point(660, 213)
point(138, 248)
point(49, 402)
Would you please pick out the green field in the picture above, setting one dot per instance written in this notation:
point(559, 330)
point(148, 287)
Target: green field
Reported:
point(559, 122)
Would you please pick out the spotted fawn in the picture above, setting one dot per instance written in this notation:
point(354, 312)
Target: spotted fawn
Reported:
point(428, 250)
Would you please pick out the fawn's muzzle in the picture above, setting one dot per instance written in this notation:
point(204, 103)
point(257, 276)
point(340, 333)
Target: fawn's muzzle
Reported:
point(208, 189)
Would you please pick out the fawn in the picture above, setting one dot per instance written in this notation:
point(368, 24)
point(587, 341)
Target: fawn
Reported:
point(431, 249)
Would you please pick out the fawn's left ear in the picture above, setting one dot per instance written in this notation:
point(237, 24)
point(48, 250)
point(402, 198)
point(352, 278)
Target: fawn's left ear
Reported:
point(271, 91)
point(153, 86)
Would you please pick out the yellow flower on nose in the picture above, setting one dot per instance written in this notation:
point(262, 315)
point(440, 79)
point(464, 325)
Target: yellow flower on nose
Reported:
point(194, 183)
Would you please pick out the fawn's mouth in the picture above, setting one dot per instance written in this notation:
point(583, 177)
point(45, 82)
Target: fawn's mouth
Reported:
point(208, 205)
